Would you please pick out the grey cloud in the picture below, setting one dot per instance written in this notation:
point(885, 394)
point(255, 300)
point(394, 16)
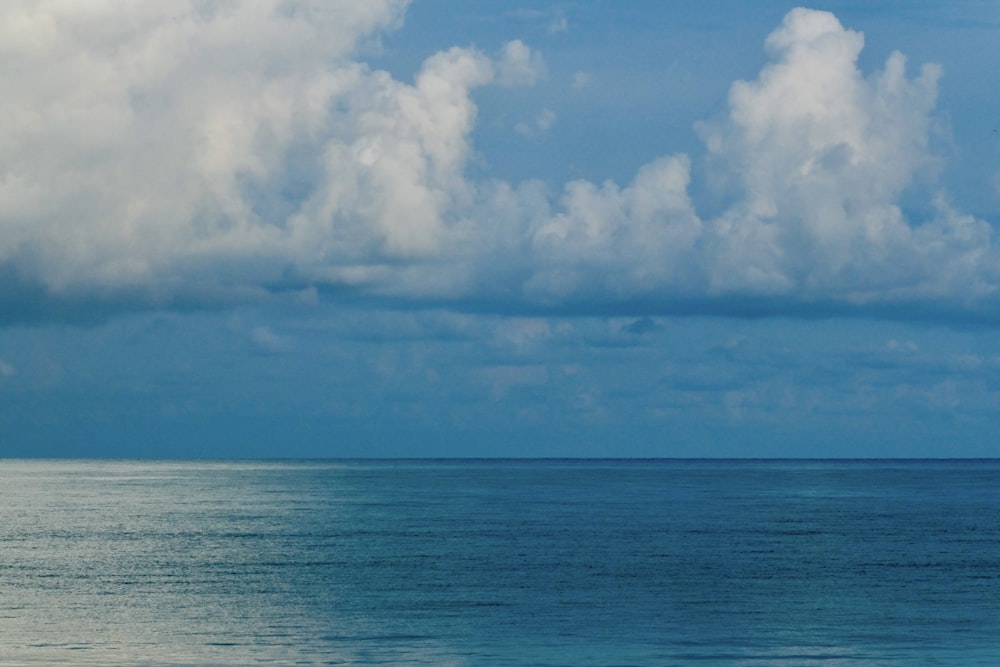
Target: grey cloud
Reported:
point(639, 327)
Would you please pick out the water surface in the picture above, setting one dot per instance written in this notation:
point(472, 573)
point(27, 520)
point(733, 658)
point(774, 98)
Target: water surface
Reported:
point(500, 562)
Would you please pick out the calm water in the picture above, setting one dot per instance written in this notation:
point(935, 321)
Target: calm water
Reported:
point(500, 562)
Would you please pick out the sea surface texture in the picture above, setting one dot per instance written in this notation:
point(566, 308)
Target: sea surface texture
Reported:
point(500, 563)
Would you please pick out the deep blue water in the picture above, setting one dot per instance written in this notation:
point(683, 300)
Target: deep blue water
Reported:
point(500, 562)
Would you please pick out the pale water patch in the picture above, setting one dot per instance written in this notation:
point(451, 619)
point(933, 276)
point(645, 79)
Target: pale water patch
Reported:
point(500, 562)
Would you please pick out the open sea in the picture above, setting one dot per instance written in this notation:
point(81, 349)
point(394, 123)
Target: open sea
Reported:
point(500, 562)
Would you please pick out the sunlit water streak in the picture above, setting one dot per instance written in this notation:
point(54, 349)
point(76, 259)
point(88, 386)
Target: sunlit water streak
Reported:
point(500, 562)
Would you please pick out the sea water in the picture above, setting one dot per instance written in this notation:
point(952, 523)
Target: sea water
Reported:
point(500, 562)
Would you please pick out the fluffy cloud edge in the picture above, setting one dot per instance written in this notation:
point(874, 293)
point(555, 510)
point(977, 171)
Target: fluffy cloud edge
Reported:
point(263, 158)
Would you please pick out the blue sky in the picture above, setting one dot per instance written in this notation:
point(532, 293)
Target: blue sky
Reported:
point(491, 229)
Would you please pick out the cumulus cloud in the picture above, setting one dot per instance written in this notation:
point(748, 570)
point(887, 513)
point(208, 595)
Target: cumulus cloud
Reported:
point(619, 242)
point(225, 145)
point(143, 142)
point(222, 151)
point(818, 156)
point(822, 155)
point(519, 65)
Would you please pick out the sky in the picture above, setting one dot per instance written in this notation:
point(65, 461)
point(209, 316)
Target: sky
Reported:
point(294, 228)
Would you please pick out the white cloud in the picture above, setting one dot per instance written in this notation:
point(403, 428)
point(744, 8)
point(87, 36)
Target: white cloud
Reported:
point(223, 143)
point(143, 141)
point(619, 242)
point(519, 65)
point(216, 149)
point(822, 155)
point(819, 156)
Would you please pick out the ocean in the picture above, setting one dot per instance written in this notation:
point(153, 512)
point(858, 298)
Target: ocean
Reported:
point(500, 562)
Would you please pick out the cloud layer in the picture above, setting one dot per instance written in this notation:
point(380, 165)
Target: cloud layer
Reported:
point(217, 152)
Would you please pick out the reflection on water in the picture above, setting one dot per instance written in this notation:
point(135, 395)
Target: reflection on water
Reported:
point(500, 562)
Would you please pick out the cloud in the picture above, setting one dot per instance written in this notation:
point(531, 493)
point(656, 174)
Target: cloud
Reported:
point(821, 155)
point(519, 65)
point(555, 22)
point(817, 156)
point(557, 25)
point(582, 80)
point(640, 327)
point(205, 151)
point(146, 146)
point(503, 379)
point(219, 153)
point(542, 123)
point(619, 242)
point(266, 339)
